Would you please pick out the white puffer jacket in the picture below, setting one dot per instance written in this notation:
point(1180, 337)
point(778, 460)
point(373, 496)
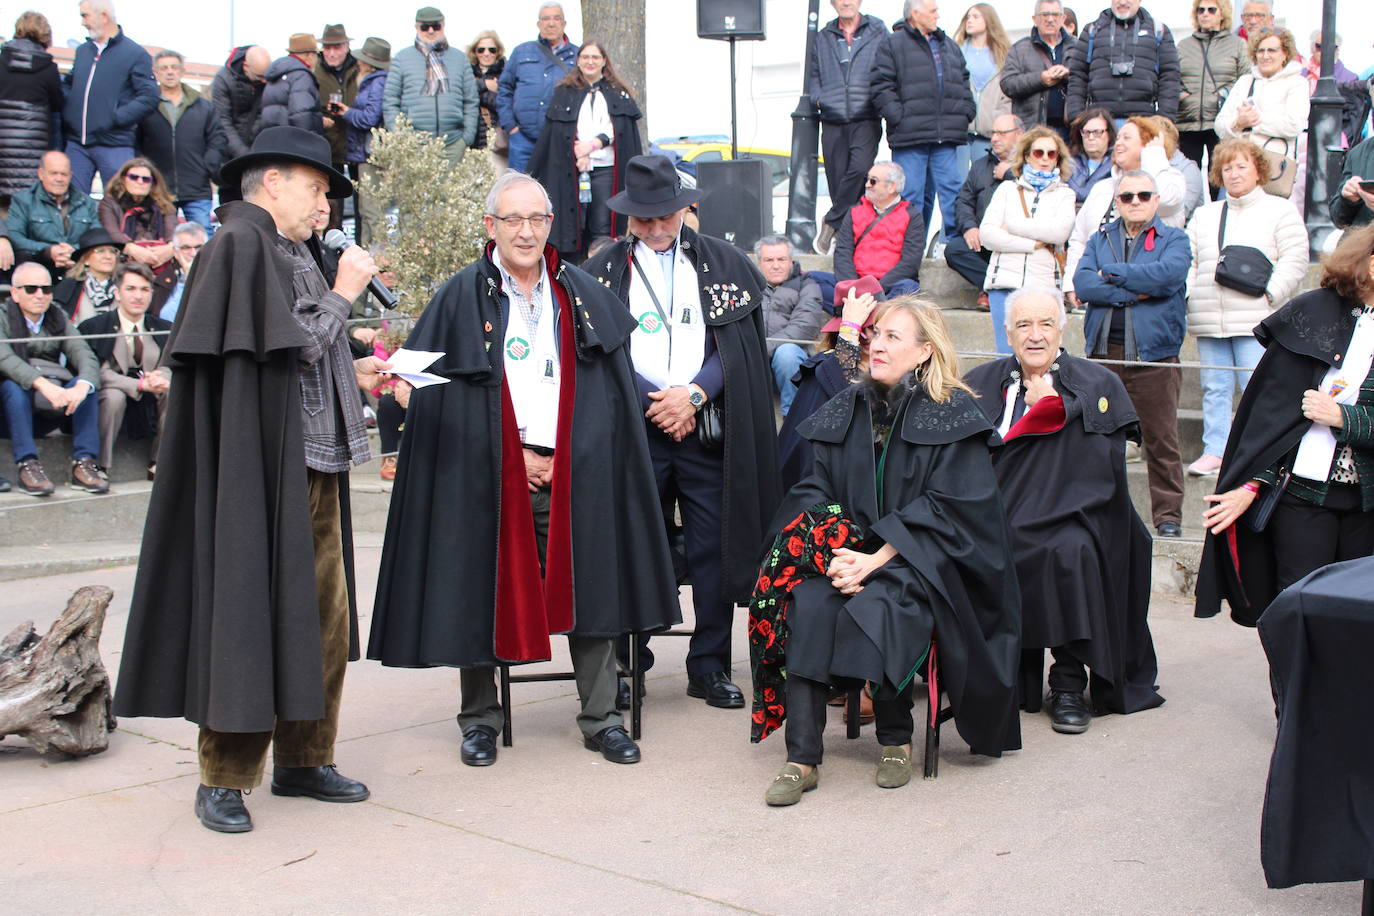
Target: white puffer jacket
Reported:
point(1011, 235)
point(1262, 221)
point(1284, 103)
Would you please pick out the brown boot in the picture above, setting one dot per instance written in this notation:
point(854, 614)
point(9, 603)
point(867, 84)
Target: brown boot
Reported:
point(33, 480)
point(86, 476)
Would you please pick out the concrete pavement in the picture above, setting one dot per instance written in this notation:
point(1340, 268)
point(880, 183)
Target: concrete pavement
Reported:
point(1152, 813)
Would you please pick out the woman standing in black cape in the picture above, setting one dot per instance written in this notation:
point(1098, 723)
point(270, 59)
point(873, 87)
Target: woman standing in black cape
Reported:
point(896, 538)
point(1296, 490)
point(591, 133)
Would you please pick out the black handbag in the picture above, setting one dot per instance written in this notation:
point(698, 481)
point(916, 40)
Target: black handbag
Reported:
point(1263, 509)
point(711, 426)
point(1241, 267)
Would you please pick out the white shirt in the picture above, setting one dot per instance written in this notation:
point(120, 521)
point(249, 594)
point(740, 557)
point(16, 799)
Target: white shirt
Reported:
point(593, 118)
point(530, 352)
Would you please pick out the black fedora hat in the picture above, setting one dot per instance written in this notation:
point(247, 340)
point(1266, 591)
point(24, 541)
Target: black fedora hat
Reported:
point(287, 146)
point(93, 238)
point(653, 188)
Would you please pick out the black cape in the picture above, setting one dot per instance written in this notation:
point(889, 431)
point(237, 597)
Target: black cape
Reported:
point(224, 624)
point(1302, 340)
point(438, 587)
point(553, 164)
point(751, 484)
point(1318, 635)
point(1083, 556)
point(954, 576)
point(818, 379)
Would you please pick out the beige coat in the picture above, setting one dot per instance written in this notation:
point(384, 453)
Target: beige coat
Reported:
point(1011, 235)
point(1262, 221)
point(1283, 103)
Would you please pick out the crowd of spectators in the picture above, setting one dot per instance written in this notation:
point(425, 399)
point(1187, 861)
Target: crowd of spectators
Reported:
point(1015, 140)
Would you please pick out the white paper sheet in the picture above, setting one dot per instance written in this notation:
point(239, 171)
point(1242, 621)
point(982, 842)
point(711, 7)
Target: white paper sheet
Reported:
point(411, 365)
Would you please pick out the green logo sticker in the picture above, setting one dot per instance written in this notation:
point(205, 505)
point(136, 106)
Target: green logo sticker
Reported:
point(650, 323)
point(517, 348)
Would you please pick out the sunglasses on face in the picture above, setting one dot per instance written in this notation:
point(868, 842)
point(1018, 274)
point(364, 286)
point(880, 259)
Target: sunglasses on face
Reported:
point(141, 179)
point(486, 50)
point(1129, 197)
point(871, 181)
point(33, 289)
point(1050, 154)
point(1212, 10)
point(1091, 132)
point(430, 26)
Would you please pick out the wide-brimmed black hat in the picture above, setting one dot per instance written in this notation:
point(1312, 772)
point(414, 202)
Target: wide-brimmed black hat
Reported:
point(94, 238)
point(653, 188)
point(288, 145)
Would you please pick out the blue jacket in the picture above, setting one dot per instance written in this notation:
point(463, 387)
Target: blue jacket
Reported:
point(35, 222)
point(105, 111)
point(1083, 178)
point(364, 114)
point(452, 115)
point(527, 84)
point(1158, 270)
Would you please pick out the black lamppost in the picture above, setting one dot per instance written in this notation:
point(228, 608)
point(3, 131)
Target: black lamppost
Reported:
point(1323, 139)
point(806, 128)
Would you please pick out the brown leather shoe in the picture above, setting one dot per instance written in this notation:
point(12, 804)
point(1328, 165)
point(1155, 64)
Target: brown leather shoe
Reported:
point(86, 476)
point(33, 480)
point(388, 471)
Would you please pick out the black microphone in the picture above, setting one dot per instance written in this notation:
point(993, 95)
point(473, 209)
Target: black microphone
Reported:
point(336, 241)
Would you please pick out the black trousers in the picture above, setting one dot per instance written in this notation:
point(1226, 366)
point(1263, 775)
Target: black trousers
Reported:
point(806, 711)
point(1192, 143)
point(1308, 537)
point(694, 478)
point(849, 150)
point(597, 215)
point(390, 416)
point(1067, 672)
point(969, 264)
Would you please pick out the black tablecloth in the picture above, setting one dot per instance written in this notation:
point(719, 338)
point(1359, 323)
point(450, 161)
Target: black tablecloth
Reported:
point(1318, 820)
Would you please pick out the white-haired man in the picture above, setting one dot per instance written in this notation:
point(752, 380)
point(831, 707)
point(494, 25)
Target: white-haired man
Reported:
point(883, 235)
point(1082, 553)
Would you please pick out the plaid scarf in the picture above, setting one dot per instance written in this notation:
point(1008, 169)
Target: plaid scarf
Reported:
point(436, 71)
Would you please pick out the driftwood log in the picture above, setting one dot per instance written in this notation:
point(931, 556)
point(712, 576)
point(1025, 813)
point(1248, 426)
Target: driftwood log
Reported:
point(54, 691)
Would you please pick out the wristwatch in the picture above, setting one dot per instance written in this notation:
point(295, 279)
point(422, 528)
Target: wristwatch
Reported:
point(695, 397)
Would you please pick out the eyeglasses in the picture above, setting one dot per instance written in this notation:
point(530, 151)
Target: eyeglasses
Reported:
point(870, 181)
point(1049, 15)
point(590, 57)
point(1211, 10)
point(33, 289)
point(1050, 154)
point(1128, 197)
point(141, 179)
point(514, 223)
point(430, 26)
point(485, 50)
point(1094, 131)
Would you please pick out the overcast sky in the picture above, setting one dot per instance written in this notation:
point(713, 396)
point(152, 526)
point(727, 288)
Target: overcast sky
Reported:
point(202, 30)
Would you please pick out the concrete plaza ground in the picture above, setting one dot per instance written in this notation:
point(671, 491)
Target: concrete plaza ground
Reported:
point(1152, 813)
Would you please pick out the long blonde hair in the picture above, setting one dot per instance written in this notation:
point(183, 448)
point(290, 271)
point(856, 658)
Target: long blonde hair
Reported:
point(996, 35)
point(940, 373)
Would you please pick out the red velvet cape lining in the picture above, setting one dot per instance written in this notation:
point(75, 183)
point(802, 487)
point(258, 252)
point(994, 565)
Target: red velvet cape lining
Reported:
point(1044, 416)
point(531, 606)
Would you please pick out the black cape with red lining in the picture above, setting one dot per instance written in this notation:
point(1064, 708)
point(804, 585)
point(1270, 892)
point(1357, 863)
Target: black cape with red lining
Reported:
point(954, 574)
point(224, 624)
point(1083, 556)
point(1302, 340)
point(751, 487)
point(460, 582)
point(552, 161)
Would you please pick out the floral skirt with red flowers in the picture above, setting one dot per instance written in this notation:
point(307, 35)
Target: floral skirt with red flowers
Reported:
point(802, 550)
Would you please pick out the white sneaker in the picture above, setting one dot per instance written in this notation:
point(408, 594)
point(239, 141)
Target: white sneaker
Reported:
point(1206, 466)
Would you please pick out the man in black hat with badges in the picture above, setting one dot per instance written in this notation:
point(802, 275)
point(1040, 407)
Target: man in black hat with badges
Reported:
point(707, 394)
point(242, 616)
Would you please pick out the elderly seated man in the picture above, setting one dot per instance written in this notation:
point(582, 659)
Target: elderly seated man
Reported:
point(187, 240)
point(39, 392)
point(1082, 553)
point(1132, 279)
point(46, 222)
point(792, 310)
point(129, 372)
point(883, 235)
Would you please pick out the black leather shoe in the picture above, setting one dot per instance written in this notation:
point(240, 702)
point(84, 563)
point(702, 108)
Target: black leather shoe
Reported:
point(222, 810)
point(1069, 712)
point(1169, 530)
point(614, 744)
point(622, 694)
point(323, 783)
point(715, 688)
point(479, 746)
